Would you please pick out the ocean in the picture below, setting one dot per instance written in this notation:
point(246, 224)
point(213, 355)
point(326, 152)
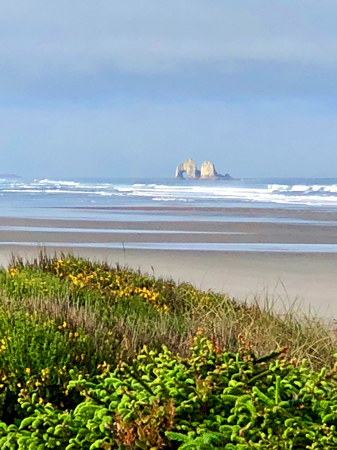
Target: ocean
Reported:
point(251, 215)
point(84, 198)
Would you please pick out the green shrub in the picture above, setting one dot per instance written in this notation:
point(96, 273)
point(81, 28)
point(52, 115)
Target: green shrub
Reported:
point(36, 355)
point(213, 400)
point(25, 283)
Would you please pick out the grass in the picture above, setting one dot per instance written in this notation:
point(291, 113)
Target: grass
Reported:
point(121, 310)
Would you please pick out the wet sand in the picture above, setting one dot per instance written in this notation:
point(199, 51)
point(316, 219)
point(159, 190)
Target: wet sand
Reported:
point(300, 213)
point(52, 230)
point(311, 277)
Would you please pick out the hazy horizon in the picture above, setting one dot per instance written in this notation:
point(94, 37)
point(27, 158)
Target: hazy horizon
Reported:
point(131, 89)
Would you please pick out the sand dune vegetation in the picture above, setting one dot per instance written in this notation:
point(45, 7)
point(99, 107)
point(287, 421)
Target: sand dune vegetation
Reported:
point(95, 356)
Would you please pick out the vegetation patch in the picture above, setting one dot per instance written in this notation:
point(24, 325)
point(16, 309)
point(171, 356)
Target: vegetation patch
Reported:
point(212, 400)
point(94, 356)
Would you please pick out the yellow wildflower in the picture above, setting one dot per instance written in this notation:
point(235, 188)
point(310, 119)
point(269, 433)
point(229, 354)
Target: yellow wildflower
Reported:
point(13, 272)
point(44, 373)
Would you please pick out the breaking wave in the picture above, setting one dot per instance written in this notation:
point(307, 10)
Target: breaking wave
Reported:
point(315, 194)
point(303, 188)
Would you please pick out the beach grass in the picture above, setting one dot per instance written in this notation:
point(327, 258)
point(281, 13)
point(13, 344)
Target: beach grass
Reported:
point(131, 309)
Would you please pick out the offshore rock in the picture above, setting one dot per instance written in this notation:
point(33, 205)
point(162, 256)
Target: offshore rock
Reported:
point(208, 171)
point(190, 168)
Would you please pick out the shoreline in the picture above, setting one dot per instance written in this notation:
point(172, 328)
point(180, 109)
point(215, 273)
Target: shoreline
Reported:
point(286, 211)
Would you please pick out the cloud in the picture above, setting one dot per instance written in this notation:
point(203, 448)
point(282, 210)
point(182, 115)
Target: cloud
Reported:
point(95, 48)
point(126, 87)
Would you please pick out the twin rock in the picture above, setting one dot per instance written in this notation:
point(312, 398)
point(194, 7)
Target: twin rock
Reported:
point(207, 171)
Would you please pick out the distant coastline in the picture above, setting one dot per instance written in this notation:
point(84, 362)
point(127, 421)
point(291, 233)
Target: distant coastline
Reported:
point(9, 176)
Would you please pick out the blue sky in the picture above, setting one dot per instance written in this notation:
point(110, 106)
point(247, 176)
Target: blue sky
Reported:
point(132, 88)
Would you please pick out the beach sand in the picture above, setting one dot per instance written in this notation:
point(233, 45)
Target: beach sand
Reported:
point(286, 277)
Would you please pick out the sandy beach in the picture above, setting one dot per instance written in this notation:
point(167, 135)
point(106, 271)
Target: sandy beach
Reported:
point(284, 276)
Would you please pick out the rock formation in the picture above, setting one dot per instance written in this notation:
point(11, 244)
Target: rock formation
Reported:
point(190, 168)
point(207, 171)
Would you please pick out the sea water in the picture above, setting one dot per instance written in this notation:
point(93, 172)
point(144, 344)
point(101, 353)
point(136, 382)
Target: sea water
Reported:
point(85, 198)
point(164, 200)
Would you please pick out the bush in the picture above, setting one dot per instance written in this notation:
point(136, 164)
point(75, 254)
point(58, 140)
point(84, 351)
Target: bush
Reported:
point(36, 356)
point(82, 364)
point(212, 400)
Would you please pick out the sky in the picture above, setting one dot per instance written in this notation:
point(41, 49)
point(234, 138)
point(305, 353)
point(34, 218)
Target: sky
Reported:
point(132, 88)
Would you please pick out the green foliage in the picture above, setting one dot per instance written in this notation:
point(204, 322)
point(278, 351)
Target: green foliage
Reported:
point(36, 356)
point(212, 400)
point(75, 373)
point(207, 441)
point(23, 283)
